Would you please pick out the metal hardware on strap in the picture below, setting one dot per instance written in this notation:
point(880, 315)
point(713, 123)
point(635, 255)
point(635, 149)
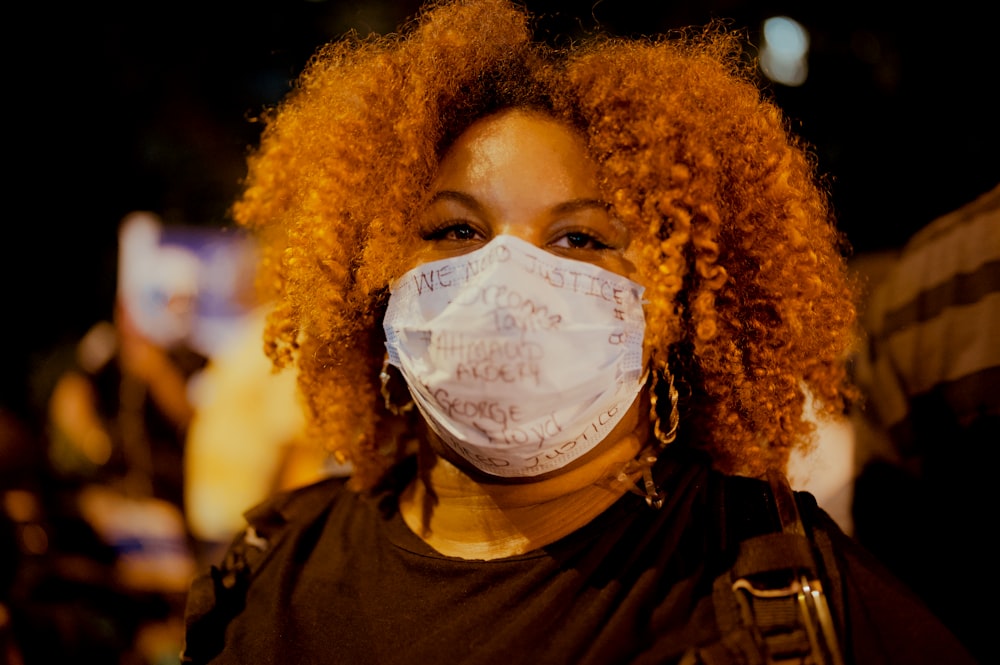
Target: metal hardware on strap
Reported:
point(793, 621)
point(782, 595)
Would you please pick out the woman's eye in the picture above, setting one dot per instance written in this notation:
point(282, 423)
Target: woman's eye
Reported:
point(580, 240)
point(457, 231)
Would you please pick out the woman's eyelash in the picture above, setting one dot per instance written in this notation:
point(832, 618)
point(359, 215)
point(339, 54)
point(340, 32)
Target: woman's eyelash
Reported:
point(441, 232)
point(458, 230)
point(580, 238)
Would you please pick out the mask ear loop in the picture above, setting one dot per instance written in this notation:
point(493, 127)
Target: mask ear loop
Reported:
point(385, 377)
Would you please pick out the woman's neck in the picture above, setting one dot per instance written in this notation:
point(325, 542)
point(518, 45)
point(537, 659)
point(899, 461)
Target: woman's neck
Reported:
point(461, 516)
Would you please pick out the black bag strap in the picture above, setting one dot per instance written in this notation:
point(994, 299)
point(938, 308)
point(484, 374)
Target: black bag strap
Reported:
point(771, 606)
point(777, 583)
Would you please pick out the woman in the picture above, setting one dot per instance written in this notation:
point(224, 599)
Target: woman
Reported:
point(545, 303)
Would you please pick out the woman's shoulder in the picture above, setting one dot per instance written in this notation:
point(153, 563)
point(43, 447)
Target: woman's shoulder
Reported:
point(296, 505)
point(218, 594)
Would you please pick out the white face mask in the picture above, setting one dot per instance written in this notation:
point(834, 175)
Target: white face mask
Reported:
point(520, 360)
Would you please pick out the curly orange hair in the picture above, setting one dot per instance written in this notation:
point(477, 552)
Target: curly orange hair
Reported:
point(749, 295)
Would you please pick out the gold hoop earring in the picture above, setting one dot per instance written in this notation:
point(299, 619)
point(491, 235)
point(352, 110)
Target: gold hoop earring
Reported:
point(664, 437)
point(384, 377)
point(644, 463)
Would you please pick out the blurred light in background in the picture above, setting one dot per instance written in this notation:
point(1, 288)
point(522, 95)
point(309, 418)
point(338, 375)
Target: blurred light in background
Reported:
point(784, 51)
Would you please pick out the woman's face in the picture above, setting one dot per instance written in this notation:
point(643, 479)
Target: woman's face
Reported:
point(521, 173)
point(524, 174)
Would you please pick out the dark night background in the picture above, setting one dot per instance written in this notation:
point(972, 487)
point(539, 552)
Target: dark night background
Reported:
point(146, 106)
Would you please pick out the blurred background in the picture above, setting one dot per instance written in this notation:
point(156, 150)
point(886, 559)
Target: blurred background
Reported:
point(116, 108)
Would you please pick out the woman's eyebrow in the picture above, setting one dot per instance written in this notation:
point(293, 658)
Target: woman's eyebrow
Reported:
point(466, 200)
point(581, 204)
point(472, 203)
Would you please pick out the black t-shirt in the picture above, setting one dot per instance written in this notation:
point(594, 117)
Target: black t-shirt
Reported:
point(346, 581)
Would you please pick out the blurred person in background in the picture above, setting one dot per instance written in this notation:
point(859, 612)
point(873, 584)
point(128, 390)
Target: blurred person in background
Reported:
point(563, 311)
point(827, 469)
point(117, 409)
point(163, 425)
point(117, 417)
point(929, 430)
point(246, 440)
